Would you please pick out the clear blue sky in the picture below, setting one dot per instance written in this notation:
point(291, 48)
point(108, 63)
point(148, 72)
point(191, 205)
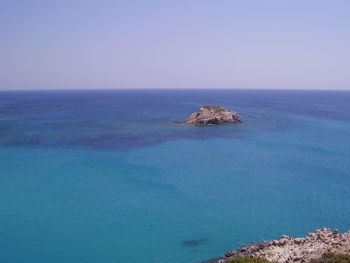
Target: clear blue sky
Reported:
point(281, 44)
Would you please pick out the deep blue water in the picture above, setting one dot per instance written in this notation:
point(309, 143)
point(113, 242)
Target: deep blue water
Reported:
point(101, 176)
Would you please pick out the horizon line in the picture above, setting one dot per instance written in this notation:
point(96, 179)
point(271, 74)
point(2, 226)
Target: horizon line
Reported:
point(165, 89)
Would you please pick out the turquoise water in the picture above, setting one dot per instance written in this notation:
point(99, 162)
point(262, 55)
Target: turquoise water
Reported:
point(100, 176)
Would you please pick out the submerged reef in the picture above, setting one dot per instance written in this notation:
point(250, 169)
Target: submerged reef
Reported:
point(322, 245)
point(212, 115)
point(193, 242)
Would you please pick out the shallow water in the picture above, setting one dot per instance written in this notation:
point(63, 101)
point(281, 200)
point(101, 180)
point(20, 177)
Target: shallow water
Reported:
point(101, 176)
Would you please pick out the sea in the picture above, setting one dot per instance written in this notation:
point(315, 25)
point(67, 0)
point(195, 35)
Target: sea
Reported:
point(103, 176)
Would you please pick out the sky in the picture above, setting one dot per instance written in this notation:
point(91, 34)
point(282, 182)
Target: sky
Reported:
point(243, 44)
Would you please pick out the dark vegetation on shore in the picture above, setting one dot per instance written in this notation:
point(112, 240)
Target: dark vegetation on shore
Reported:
point(332, 258)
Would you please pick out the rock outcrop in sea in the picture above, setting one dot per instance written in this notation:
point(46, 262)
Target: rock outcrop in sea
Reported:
point(296, 250)
point(213, 115)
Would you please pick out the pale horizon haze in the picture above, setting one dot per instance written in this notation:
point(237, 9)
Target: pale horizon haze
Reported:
point(175, 44)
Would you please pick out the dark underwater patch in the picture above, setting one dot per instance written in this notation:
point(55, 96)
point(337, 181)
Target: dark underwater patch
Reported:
point(116, 141)
point(128, 141)
point(193, 242)
point(17, 140)
point(63, 134)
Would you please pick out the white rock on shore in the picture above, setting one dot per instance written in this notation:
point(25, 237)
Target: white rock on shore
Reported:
point(296, 250)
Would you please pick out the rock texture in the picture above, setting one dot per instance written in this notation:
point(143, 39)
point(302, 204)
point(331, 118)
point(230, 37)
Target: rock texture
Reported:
point(212, 115)
point(297, 250)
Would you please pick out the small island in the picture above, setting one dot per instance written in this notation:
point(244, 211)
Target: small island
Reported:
point(212, 115)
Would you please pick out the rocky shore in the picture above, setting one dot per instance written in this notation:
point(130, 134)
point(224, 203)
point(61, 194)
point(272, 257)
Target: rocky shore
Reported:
point(212, 115)
point(289, 249)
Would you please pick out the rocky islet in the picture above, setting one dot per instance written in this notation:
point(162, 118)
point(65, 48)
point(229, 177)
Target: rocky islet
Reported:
point(212, 115)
